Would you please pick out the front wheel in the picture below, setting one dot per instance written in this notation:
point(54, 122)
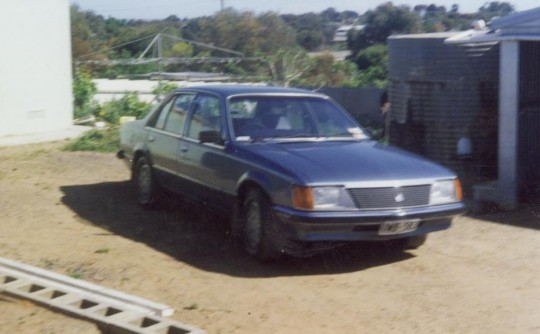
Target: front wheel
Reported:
point(405, 243)
point(259, 227)
point(416, 241)
point(145, 185)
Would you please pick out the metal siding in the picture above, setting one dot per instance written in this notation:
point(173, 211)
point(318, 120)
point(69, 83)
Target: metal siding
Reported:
point(440, 93)
point(529, 114)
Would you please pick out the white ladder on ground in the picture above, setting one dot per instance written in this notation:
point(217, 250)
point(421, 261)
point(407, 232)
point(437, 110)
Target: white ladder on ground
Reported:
point(113, 311)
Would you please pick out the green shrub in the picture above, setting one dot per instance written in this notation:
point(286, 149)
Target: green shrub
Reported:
point(128, 105)
point(83, 91)
point(163, 89)
point(101, 140)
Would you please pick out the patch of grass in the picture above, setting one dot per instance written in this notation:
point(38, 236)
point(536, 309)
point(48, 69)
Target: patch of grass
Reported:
point(102, 251)
point(77, 274)
point(100, 140)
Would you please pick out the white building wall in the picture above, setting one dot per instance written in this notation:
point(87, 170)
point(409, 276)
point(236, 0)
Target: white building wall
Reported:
point(35, 66)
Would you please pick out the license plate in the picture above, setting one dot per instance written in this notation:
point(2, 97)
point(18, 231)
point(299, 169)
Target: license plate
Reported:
point(398, 227)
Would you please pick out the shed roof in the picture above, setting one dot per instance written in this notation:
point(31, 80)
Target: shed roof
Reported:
point(522, 26)
point(529, 17)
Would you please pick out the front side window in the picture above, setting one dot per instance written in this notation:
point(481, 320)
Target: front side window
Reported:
point(206, 117)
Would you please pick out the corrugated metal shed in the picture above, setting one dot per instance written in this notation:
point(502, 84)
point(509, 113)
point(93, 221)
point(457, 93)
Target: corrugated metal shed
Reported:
point(440, 93)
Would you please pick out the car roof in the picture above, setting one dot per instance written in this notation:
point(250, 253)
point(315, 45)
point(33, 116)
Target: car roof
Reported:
point(230, 90)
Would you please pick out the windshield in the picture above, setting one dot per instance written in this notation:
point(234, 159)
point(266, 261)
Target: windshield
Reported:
point(291, 118)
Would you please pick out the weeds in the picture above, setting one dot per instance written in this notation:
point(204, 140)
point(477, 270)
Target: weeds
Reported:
point(100, 140)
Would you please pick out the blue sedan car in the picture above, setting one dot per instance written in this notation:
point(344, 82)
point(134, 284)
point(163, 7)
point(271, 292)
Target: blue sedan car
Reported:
point(295, 173)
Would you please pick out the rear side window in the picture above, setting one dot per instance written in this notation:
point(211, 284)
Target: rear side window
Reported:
point(162, 116)
point(172, 116)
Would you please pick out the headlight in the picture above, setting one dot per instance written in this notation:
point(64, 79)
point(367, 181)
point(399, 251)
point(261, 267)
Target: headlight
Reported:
point(443, 192)
point(322, 198)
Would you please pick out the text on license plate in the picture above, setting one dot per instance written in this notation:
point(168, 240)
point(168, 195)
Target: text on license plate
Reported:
point(398, 227)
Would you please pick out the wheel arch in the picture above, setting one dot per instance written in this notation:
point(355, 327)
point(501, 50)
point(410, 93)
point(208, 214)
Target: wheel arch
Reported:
point(137, 154)
point(253, 180)
point(245, 185)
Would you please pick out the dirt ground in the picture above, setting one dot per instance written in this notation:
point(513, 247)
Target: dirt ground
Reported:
point(73, 213)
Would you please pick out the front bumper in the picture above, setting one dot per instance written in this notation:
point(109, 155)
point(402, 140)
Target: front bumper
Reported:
point(362, 225)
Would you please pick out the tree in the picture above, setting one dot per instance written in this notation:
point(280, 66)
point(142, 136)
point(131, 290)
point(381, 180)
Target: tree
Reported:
point(310, 24)
point(371, 56)
point(494, 8)
point(373, 66)
point(348, 17)
point(289, 65)
point(386, 20)
point(80, 34)
point(325, 71)
point(330, 14)
point(309, 39)
point(275, 34)
point(179, 49)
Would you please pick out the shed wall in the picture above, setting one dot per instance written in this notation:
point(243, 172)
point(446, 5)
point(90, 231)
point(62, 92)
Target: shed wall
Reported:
point(529, 115)
point(35, 66)
point(440, 93)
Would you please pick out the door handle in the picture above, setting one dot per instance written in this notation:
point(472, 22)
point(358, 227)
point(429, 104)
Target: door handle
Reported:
point(184, 148)
point(151, 139)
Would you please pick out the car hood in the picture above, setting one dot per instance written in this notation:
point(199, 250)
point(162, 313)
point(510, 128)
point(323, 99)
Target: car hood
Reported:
point(332, 162)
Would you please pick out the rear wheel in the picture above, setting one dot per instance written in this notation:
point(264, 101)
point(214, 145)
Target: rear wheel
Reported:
point(259, 227)
point(145, 184)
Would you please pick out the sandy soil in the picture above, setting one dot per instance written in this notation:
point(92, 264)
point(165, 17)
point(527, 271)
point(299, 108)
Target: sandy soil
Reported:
point(73, 213)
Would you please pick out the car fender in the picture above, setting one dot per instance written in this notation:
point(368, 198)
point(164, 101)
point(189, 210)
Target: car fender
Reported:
point(276, 187)
point(256, 178)
point(141, 150)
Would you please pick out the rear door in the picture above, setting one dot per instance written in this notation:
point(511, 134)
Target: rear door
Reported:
point(164, 137)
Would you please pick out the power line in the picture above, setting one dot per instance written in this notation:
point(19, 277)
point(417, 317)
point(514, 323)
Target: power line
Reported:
point(164, 61)
point(117, 46)
point(170, 61)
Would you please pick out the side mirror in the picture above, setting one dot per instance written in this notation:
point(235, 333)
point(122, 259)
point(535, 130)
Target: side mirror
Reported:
point(210, 136)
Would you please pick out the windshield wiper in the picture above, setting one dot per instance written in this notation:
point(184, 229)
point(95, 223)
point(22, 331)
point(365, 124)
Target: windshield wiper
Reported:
point(302, 135)
point(261, 139)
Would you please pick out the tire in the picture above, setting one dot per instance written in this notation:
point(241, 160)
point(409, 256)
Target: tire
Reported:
point(259, 227)
point(145, 185)
point(398, 245)
point(415, 242)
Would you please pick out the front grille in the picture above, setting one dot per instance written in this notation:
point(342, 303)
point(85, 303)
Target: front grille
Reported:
point(389, 198)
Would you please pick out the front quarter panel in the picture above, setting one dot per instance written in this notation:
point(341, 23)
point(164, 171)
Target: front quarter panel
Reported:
point(276, 186)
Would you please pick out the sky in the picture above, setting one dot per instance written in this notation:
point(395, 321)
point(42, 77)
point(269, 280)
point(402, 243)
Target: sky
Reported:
point(160, 9)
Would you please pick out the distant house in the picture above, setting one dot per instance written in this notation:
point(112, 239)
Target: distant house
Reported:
point(341, 33)
point(35, 67)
